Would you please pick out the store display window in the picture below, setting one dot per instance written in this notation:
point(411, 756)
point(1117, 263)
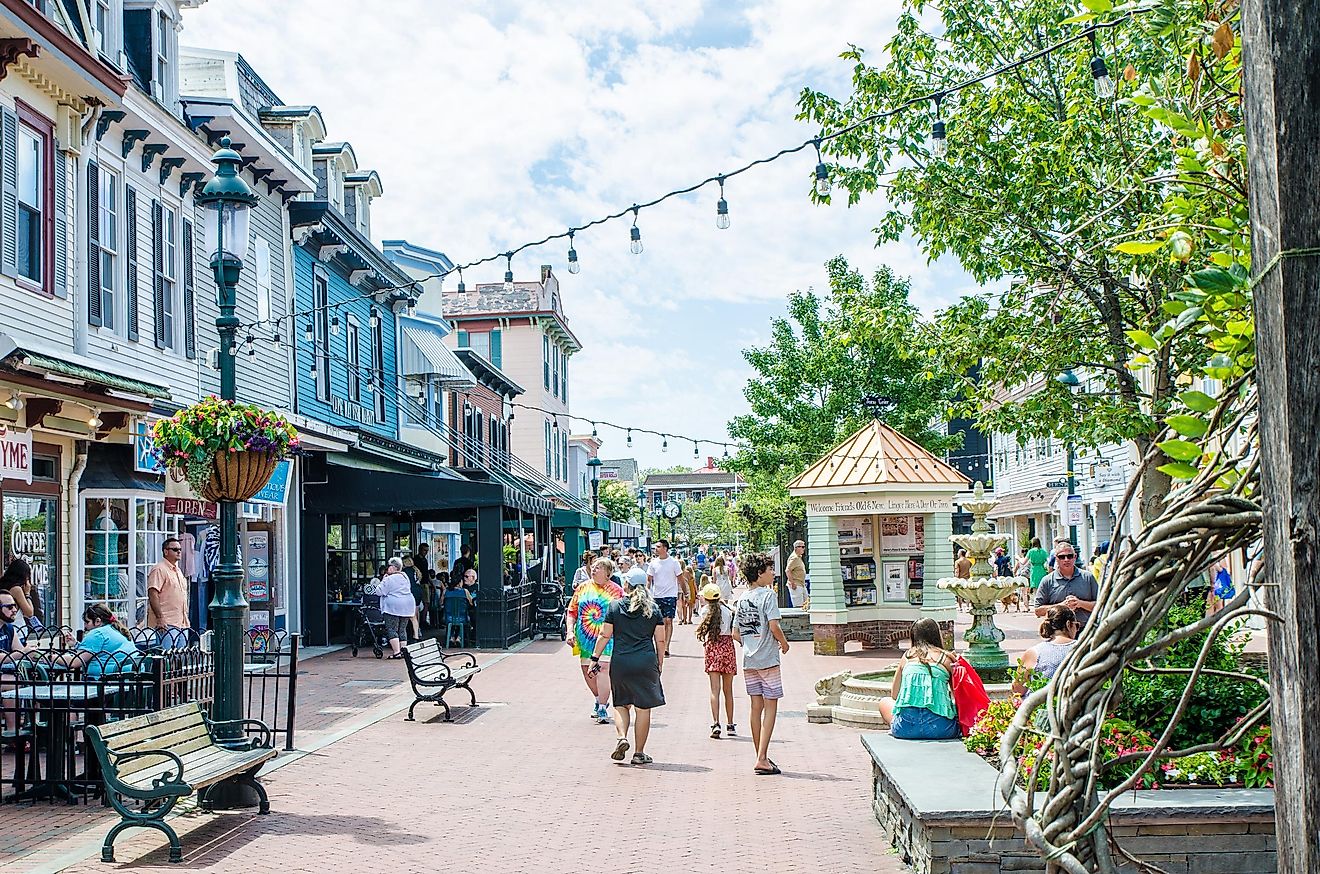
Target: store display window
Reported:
point(123, 536)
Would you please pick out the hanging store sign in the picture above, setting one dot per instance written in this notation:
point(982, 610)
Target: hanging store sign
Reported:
point(181, 500)
point(1075, 511)
point(886, 504)
point(276, 489)
point(15, 454)
point(144, 446)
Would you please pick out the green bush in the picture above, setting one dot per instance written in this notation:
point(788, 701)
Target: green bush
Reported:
point(1217, 703)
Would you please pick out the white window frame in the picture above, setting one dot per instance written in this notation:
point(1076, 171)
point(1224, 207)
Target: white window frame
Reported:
point(353, 359)
point(113, 304)
point(321, 328)
point(27, 136)
point(169, 272)
point(261, 270)
point(162, 27)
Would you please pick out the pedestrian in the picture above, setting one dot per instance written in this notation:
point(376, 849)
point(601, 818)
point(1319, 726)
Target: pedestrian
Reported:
point(962, 568)
point(17, 581)
point(1003, 563)
point(462, 564)
point(1037, 558)
point(921, 705)
point(1060, 632)
point(629, 570)
point(583, 573)
point(637, 628)
point(715, 631)
point(686, 588)
point(397, 605)
point(721, 577)
point(13, 640)
point(1073, 587)
point(756, 629)
point(662, 577)
point(422, 561)
point(584, 616)
point(418, 592)
point(795, 570)
point(167, 597)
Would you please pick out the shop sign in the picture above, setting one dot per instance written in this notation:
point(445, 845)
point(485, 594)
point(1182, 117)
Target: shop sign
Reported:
point(900, 534)
point(181, 500)
point(356, 412)
point(144, 445)
point(609, 473)
point(31, 547)
point(888, 504)
point(276, 489)
point(258, 567)
point(595, 539)
point(1075, 510)
point(15, 454)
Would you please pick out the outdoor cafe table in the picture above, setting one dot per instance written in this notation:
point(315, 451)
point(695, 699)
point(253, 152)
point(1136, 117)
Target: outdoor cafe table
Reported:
point(58, 780)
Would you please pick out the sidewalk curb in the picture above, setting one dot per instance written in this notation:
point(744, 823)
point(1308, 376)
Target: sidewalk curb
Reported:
point(384, 710)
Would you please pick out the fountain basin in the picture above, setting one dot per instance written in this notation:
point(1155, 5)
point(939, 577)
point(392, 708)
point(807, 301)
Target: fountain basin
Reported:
point(854, 700)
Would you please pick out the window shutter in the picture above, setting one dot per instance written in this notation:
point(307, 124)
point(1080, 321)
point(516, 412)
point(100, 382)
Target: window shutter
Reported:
point(61, 223)
point(131, 261)
point(9, 192)
point(189, 325)
point(94, 316)
point(463, 342)
point(158, 271)
point(496, 349)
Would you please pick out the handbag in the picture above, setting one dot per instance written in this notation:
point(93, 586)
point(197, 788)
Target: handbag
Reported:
point(969, 694)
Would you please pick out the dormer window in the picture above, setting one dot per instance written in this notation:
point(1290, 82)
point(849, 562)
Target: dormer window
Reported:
point(149, 42)
point(164, 27)
point(105, 22)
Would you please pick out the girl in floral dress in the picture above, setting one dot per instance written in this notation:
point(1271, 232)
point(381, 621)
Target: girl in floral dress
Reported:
point(585, 616)
point(715, 631)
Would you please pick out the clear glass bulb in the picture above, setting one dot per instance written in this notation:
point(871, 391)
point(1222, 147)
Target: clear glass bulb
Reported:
point(636, 245)
point(1104, 86)
point(664, 447)
point(573, 266)
point(722, 215)
point(334, 327)
point(308, 333)
point(822, 180)
point(939, 143)
point(508, 280)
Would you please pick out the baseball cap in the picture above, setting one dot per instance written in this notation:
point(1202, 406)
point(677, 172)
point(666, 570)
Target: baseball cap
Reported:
point(711, 592)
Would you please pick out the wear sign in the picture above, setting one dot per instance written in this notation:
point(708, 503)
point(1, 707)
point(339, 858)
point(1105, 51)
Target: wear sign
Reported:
point(15, 454)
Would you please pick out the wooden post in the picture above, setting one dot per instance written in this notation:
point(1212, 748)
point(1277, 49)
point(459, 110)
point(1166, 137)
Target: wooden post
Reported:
point(1281, 63)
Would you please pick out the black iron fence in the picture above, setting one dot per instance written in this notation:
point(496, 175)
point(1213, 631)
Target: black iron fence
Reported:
point(49, 695)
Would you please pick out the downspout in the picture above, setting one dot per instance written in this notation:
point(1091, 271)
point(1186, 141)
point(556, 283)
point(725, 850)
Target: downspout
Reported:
point(79, 290)
point(75, 529)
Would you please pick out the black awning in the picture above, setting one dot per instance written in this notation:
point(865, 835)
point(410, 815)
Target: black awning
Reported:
point(110, 466)
point(360, 490)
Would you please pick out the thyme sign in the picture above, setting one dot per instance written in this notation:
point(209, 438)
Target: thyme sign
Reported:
point(15, 454)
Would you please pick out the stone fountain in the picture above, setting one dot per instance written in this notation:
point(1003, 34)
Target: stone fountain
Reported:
point(984, 590)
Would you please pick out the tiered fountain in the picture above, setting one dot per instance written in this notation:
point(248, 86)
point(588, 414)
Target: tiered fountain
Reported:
point(984, 590)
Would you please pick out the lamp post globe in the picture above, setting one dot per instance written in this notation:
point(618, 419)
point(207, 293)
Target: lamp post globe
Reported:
point(227, 202)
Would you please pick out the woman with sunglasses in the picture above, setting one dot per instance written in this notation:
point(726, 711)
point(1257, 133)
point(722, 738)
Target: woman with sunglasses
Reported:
point(1060, 632)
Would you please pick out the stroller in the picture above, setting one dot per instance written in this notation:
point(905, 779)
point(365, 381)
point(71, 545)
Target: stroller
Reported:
point(550, 604)
point(369, 623)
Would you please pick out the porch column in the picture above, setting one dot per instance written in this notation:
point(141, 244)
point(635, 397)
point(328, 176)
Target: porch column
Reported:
point(490, 578)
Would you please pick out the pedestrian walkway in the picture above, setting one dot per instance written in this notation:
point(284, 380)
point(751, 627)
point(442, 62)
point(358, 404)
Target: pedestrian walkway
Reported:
point(524, 783)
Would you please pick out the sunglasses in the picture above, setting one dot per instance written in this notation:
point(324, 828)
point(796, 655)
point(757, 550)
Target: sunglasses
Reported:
point(174, 549)
point(8, 606)
point(1066, 556)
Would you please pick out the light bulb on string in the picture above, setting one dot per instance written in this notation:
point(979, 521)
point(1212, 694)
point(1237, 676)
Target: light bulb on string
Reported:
point(822, 173)
point(375, 319)
point(233, 349)
point(308, 332)
point(696, 453)
point(726, 450)
point(556, 423)
point(411, 306)
point(276, 338)
point(574, 266)
point(722, 209)
point(334, 325)
point(1104, 86)
point(635, 233)
point(311, 369)
point(630, 438)
point(593, 429)
point(462, 286)
point(508, 272)
point(939, 143)
point(94, 420)
point(251, 346)
point(664, 446)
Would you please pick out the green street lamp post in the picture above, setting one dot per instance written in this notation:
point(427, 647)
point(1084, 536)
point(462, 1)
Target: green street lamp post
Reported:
point(594, 463)
point(1069, 380)
point(227, 202)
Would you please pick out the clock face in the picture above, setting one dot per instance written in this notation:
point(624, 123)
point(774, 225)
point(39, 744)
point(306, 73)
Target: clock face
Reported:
point(672, 510)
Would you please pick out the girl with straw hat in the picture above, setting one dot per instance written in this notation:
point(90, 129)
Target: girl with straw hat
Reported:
point(715, 631)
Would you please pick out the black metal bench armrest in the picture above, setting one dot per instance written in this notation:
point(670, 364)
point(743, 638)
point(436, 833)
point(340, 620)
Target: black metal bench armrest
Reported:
point(265, 738)
point(167, 784)
point(445, 678)
point(469, 660)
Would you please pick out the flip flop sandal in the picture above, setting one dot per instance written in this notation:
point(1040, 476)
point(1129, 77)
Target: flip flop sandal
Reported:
point(620, 749)
point(641, 759)
point(766, 772)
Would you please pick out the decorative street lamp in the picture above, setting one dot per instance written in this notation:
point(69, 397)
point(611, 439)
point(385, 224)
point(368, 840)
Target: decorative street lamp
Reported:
point(595, 464)
point(1069, 380)
point(227, 202)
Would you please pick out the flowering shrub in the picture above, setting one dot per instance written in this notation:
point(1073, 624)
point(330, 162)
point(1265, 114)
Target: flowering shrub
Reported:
point(191, 438)
point(986, 732)
point(1256, 757)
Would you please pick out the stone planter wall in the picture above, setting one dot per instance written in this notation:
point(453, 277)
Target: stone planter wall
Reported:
point(872, 634)
point(938, 806)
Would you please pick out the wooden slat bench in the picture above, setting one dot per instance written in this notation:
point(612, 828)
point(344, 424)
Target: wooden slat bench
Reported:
point(433, 672)
point(149, 762)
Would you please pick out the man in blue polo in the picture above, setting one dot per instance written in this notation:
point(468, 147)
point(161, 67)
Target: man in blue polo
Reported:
point(1072, 586)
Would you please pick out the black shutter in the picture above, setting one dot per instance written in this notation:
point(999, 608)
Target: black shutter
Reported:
point(131, 262)
point(158, 272)
point(94, 316)
point(189, 326)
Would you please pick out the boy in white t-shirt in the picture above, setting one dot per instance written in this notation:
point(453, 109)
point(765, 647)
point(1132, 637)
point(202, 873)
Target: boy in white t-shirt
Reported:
point(756, 629)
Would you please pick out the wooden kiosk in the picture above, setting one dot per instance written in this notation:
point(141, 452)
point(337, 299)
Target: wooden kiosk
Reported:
point(879, 515)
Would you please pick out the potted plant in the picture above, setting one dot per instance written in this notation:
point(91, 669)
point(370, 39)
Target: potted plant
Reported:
point(226, 451)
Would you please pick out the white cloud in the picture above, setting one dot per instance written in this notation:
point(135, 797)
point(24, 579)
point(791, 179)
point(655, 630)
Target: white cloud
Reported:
point(496, 123)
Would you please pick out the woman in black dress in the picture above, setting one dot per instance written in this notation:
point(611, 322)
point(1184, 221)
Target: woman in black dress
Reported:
point(635, 625)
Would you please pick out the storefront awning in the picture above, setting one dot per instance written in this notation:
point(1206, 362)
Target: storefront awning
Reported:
point(359, 490)
point(38, 363)
point(1027, 503)
point(573, 519)
point(110, 466)
point(424, 354)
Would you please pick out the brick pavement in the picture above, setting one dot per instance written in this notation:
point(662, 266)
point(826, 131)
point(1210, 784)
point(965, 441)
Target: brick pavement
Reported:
point(526, 784)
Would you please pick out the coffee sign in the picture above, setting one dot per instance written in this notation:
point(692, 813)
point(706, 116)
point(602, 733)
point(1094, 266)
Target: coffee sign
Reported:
point(15, 454)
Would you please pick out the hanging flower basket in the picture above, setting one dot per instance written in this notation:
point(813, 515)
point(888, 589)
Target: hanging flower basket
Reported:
point(227, 451)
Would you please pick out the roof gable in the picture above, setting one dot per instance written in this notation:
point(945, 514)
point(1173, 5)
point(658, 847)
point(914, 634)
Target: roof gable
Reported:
point(876, 457)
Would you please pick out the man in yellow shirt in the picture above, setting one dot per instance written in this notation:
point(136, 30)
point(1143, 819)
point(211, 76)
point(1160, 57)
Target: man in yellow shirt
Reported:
point(796, 571)
point(167, 591)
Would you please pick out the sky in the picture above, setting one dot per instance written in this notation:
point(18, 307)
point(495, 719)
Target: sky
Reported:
point(492, 124)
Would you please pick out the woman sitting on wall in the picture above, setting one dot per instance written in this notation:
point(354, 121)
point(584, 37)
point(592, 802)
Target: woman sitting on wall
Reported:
point(922, 705)
point(1060, 632)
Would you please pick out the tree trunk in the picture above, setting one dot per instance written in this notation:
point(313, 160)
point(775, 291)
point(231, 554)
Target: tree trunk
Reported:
point(1281, 63)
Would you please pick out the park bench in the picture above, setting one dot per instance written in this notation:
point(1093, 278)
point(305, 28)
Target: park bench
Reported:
point(432, 673)
point(149, 762)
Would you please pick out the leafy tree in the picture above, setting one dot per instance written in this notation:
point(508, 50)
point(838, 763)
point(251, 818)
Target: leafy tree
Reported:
point(812, 377)
point(617, 502)
point(1089, 207)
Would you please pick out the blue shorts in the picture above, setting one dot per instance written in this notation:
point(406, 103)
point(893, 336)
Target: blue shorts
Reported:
point(668, 607)
point(918, 723)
